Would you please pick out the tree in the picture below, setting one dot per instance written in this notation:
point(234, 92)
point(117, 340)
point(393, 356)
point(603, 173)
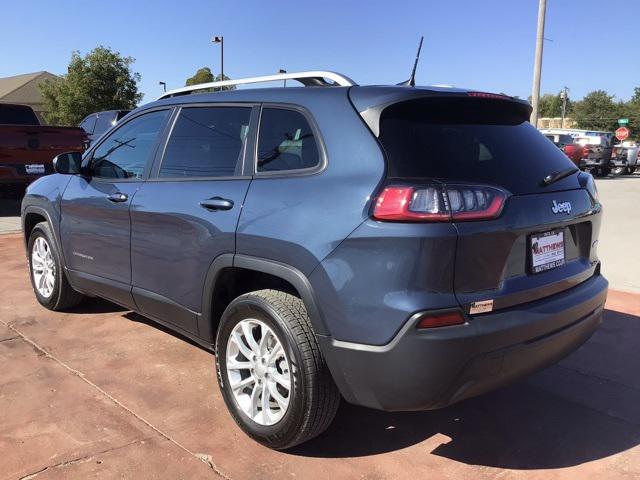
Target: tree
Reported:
point(598, 111)
point(204, 75)
point(99, 80)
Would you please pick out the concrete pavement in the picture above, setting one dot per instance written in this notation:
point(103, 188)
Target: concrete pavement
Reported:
point(102, 391)
point(619, 244)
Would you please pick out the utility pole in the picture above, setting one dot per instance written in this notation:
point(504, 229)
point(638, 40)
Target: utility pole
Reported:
point(564, 94)
point(537, 67)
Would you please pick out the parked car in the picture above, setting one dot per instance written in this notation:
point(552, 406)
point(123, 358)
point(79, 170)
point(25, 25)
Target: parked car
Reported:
point(27, 148)
point(560, 140)
point(380, 244)
point(566, 143)
point(596, 154)
point(624, 158)
point(575, 152)
point(98, 123)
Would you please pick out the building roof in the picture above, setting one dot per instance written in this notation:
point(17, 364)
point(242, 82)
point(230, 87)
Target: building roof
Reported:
point(23, 88)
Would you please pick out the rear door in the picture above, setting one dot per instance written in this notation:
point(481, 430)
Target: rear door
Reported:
point(544, 239)
point(185, 216)
point(95, 224)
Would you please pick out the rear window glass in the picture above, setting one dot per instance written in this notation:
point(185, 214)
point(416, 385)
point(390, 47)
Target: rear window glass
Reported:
point(286, 141)
point(17, 115)
point(464, 139)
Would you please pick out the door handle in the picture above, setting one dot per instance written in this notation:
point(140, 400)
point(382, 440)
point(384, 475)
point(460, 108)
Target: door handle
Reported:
point(118, 197)
point(217, 203)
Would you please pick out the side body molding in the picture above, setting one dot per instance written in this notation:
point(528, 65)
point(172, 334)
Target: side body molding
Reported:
point(292, 275)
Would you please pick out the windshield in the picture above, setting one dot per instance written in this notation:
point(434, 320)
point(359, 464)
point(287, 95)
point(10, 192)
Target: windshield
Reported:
point(476, 140)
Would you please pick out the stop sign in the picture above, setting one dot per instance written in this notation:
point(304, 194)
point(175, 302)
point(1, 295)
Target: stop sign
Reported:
point(622, 133)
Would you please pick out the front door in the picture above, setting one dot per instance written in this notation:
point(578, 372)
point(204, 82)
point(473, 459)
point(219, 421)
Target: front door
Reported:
point(95, 221)
point(186, 214)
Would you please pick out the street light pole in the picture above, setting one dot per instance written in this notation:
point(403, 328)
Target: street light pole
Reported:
point(220, 40)
point(285, 80)
point(164, 86)
point(537, 67)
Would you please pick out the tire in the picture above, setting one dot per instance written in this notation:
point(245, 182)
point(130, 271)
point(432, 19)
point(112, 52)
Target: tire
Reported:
point(630, 170)
point(60, 295)
point(620, 170)
point(313, 397)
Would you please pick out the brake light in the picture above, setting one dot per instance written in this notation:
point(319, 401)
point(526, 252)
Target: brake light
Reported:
point(439, 203)
point(440, 320)
point(489, 95)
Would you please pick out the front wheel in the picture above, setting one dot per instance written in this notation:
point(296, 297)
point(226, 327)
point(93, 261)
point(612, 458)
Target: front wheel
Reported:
point(48, 279)
point(271, 373)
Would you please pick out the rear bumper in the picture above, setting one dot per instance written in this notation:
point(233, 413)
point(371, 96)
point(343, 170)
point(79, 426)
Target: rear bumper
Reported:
point(593, 162)
point(421, 370)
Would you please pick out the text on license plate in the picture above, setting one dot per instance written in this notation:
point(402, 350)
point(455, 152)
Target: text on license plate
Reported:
point(547, 251)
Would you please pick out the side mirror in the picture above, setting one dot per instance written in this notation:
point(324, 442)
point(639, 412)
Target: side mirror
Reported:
point(68, 163)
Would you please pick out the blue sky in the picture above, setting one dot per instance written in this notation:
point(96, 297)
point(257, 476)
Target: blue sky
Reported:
point(484, 44)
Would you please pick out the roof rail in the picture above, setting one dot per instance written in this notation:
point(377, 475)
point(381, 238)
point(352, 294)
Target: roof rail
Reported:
point(312, 78)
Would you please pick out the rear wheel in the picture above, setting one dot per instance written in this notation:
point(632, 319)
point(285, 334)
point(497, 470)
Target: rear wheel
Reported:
point(48, 279)
point(620, 170)
point(271, 372)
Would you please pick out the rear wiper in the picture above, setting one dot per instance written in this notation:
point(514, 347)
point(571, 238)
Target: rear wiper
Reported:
point(559, 175)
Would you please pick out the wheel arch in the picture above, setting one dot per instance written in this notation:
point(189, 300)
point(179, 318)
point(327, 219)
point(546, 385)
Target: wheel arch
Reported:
point(290, 277)
point(31, 216)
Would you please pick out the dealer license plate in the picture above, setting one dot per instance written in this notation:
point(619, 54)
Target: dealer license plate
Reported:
point(547, 251)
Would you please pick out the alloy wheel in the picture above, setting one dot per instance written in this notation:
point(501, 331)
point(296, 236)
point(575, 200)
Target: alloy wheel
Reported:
point(258, 372)
point(43, 267)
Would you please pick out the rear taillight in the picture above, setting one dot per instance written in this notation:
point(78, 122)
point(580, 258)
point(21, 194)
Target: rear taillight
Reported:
point(585, 152)
point(614, 152)
point(439, 203)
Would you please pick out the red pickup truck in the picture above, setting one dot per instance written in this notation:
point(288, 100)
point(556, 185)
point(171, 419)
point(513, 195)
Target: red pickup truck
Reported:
point(27, 147)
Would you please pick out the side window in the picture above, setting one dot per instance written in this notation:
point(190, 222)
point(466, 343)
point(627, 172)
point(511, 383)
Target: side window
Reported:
point(88, 124)
point(206, 142)
point(286, 141)
point(125, 152)
point(104, 122)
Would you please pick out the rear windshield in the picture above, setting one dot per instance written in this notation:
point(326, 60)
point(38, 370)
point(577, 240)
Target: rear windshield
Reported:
point(469, 139)
point(17, 115)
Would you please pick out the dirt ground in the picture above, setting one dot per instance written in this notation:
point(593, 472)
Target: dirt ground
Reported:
point(101, 391)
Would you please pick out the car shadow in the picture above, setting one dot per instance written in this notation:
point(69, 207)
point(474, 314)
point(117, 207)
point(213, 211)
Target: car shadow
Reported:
point(557, 418)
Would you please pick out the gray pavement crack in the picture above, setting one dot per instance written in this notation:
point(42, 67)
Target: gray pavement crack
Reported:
point(206, 459)
point(84, 458)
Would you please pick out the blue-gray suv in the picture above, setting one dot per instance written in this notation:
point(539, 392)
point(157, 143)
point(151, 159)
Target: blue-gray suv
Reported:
point(400, 247)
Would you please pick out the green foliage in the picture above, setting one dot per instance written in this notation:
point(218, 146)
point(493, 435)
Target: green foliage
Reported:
point(598, 111)
point(204, 75)
point(99, 80)
point(550, 105)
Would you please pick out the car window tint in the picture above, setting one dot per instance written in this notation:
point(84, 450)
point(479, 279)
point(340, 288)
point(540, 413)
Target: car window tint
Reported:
point(104, 122)
point(206, 142)
point(125, 152)
point(286, 141)
point(88, 124)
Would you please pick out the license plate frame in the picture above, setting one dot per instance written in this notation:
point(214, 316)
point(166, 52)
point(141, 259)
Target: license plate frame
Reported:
point(546, 251)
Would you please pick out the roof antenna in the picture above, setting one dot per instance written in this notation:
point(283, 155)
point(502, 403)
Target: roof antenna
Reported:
point(412, 81)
